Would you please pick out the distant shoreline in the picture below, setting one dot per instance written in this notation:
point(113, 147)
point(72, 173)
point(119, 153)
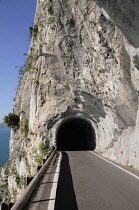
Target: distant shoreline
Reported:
point(2, 126)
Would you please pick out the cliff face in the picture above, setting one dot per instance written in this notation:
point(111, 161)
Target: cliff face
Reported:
point(94, 76)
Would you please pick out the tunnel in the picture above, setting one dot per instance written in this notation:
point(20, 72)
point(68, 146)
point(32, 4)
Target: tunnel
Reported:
point(75, 134)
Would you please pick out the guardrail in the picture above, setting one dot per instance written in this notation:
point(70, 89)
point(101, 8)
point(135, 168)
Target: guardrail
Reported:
point(23, 200)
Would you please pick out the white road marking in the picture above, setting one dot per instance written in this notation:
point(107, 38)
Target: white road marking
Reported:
point(116, 166)
point(54, 186)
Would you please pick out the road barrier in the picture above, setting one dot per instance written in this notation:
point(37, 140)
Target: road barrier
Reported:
point(23, 200)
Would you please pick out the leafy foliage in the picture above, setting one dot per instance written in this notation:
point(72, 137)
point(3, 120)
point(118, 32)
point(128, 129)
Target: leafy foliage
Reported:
point(12, 121)
point(24, 126)
point(17, 179)
point(34, 31)
point(50, 7)
point(28, 66)
point(21, 181)
point(20, 72)
point(43, 148)
point(39, 159)
point(51, 19)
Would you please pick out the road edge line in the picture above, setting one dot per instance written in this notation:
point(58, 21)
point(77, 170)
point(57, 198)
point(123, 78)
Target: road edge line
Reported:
point(135, 176)
point(54, 186)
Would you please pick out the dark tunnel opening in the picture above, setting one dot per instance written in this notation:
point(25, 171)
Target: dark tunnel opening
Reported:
point(75, 134)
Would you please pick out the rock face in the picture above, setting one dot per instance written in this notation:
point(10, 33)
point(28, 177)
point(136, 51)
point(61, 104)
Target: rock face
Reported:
point(94, 76)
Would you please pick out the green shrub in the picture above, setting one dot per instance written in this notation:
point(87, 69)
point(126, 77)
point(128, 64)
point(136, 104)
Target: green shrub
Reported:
point(43, 148)
point(29, 62)
point(50, 7)
point(51, 19)
point(20, 71)
point(34, 31)
point(12, 121)
point(17, 179)
point(39, 159)
point(25, 54)
point(21, 181)
point(24, 126)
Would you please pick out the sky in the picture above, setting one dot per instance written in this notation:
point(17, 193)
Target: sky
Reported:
point(16, 16)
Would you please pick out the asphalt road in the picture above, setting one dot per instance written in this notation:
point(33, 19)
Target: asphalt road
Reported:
point(87, 182)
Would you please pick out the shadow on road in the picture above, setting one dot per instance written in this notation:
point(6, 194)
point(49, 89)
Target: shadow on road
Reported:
point(65, 195)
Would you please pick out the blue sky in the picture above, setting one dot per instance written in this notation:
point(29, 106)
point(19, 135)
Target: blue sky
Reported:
point(16, 16)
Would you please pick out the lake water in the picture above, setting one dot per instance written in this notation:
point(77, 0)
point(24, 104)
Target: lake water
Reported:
point(4, 144)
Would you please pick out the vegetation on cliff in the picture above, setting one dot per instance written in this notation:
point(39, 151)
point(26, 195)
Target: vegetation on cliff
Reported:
point(12, 121)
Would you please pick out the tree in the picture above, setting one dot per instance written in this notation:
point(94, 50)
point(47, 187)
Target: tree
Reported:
point(12, 121)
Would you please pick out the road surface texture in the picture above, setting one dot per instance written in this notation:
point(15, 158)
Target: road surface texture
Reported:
point(84, 181)
point(87, 182)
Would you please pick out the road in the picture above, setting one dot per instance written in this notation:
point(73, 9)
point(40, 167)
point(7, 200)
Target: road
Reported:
point(84, 181)
point(87, 182)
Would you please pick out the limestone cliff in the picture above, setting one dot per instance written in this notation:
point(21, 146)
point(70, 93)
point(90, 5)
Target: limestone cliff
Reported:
point(94, 75)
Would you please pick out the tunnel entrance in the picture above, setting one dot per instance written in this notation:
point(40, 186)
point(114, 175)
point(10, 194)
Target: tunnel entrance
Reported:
point(75, 134)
